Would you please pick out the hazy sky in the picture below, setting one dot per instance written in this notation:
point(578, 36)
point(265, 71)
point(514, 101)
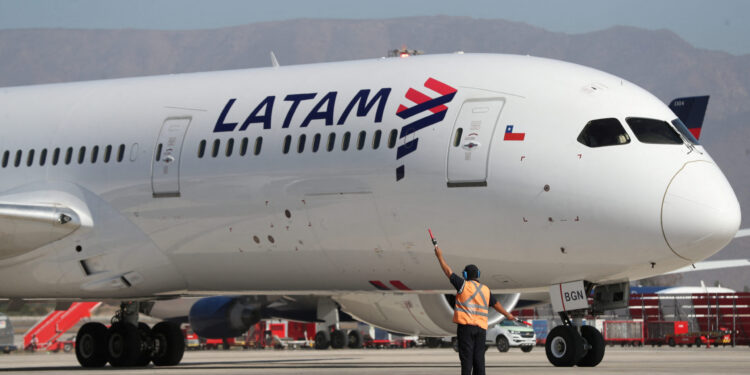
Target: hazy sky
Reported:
point(711, 24)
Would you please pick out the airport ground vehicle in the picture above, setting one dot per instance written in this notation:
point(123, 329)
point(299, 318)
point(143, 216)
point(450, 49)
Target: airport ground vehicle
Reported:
point(511, 334)
point(192, 341)
point(66, 345)
point(6, 335)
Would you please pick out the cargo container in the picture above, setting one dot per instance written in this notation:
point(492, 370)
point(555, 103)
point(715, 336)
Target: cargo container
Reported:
point(541, 329)
point(623, 332)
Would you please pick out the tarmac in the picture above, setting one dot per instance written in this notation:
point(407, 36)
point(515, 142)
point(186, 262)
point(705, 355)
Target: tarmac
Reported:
point(618, 360)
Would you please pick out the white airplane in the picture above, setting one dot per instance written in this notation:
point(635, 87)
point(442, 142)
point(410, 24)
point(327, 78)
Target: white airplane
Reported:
point(304, 189)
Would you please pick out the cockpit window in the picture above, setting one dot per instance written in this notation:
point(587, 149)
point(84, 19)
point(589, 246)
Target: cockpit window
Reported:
point(603, 132)
point(685, 131)
point(653, 131)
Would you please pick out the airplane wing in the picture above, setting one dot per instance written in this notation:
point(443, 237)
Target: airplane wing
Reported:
point(24, 227)
point(742, 233)
point(712, 265)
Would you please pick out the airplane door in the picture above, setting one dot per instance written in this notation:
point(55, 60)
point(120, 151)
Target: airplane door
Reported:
point(469, 150)
point(165, 169)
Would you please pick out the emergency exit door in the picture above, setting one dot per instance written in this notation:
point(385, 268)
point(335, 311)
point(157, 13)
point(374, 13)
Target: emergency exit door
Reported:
point(468, 154)
point(165, 169)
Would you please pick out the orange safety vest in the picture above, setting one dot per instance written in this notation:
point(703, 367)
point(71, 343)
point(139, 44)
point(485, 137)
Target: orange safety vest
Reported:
point(472, 304)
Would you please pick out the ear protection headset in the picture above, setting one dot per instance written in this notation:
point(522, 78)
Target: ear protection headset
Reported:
point(466, 274)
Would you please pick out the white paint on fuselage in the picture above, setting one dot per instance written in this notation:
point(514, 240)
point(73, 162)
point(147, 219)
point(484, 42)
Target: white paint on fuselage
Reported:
point(603, 205)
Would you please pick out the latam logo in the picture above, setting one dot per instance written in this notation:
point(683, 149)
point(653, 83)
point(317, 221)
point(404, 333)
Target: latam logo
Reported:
point(422, 103)
point(362, 104)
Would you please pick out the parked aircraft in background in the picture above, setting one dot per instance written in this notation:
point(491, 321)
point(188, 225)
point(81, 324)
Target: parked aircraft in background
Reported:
point(285, 184)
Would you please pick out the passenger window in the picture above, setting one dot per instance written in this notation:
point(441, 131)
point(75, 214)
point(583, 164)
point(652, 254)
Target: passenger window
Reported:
point(19, 154)
point(392, 138)
point(316, 142)
point(215, 149)
point(201, 149)
point(287, 143)
point(120, 153)
point(30, 158)
point(457, 140)
point(685, 131)
point(43, 157)
point(158, 152)
point(376, 139)
point(603, 132)
point(331, 142)
point(243, 146)
point(6, 156)
point(301, 143)
point(94, 154)
point(56, 156)
point(68, 155)
point(230, 147)
point(653, 131)
point(107, 153)
point(258, 145)
point(81, 155)
point(361, 140)
point(345, 141)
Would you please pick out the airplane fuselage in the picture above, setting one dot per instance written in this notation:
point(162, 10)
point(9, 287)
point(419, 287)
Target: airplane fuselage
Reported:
point(209, 186)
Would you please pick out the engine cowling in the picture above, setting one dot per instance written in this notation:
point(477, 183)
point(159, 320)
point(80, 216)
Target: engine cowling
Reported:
point(222, 316)
point(412, 314)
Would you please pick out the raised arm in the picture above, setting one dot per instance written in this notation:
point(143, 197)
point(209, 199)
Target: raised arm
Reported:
point(443, 265)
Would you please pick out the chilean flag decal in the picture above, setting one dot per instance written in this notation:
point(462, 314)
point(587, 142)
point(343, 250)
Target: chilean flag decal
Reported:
point(510, 136)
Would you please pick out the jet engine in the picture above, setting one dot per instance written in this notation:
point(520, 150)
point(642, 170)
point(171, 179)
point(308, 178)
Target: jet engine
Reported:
point(223, 316)
point(412, 314)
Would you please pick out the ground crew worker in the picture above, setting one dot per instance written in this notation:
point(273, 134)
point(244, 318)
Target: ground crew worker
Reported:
point(470, 313)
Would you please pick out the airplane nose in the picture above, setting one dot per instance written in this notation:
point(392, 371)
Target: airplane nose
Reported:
point(700, 213)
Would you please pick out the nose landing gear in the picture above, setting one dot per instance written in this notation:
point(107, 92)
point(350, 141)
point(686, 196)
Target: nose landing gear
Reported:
point(572, 344)
point(128, 343)
point(567, 347)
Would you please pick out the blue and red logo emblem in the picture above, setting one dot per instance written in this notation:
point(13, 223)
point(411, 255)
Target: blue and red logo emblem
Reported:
point(422, 103)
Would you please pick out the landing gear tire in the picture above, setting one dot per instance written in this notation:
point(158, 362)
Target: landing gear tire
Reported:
point(355, 339)
point(124, 345)
point(144, 331)
point(596, 346)
point(502, 344)
point(339, 339)
point(432, 342)
point(527, 348)
point(322, 340)
point(169, 344)
point(564, 346)
point(91, 345)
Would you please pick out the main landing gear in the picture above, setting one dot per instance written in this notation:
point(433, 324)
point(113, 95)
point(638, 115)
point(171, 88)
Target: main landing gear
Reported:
point(566, 346)
point(128, 343)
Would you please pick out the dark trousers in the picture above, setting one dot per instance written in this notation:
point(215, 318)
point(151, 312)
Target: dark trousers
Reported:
point(471, 349)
